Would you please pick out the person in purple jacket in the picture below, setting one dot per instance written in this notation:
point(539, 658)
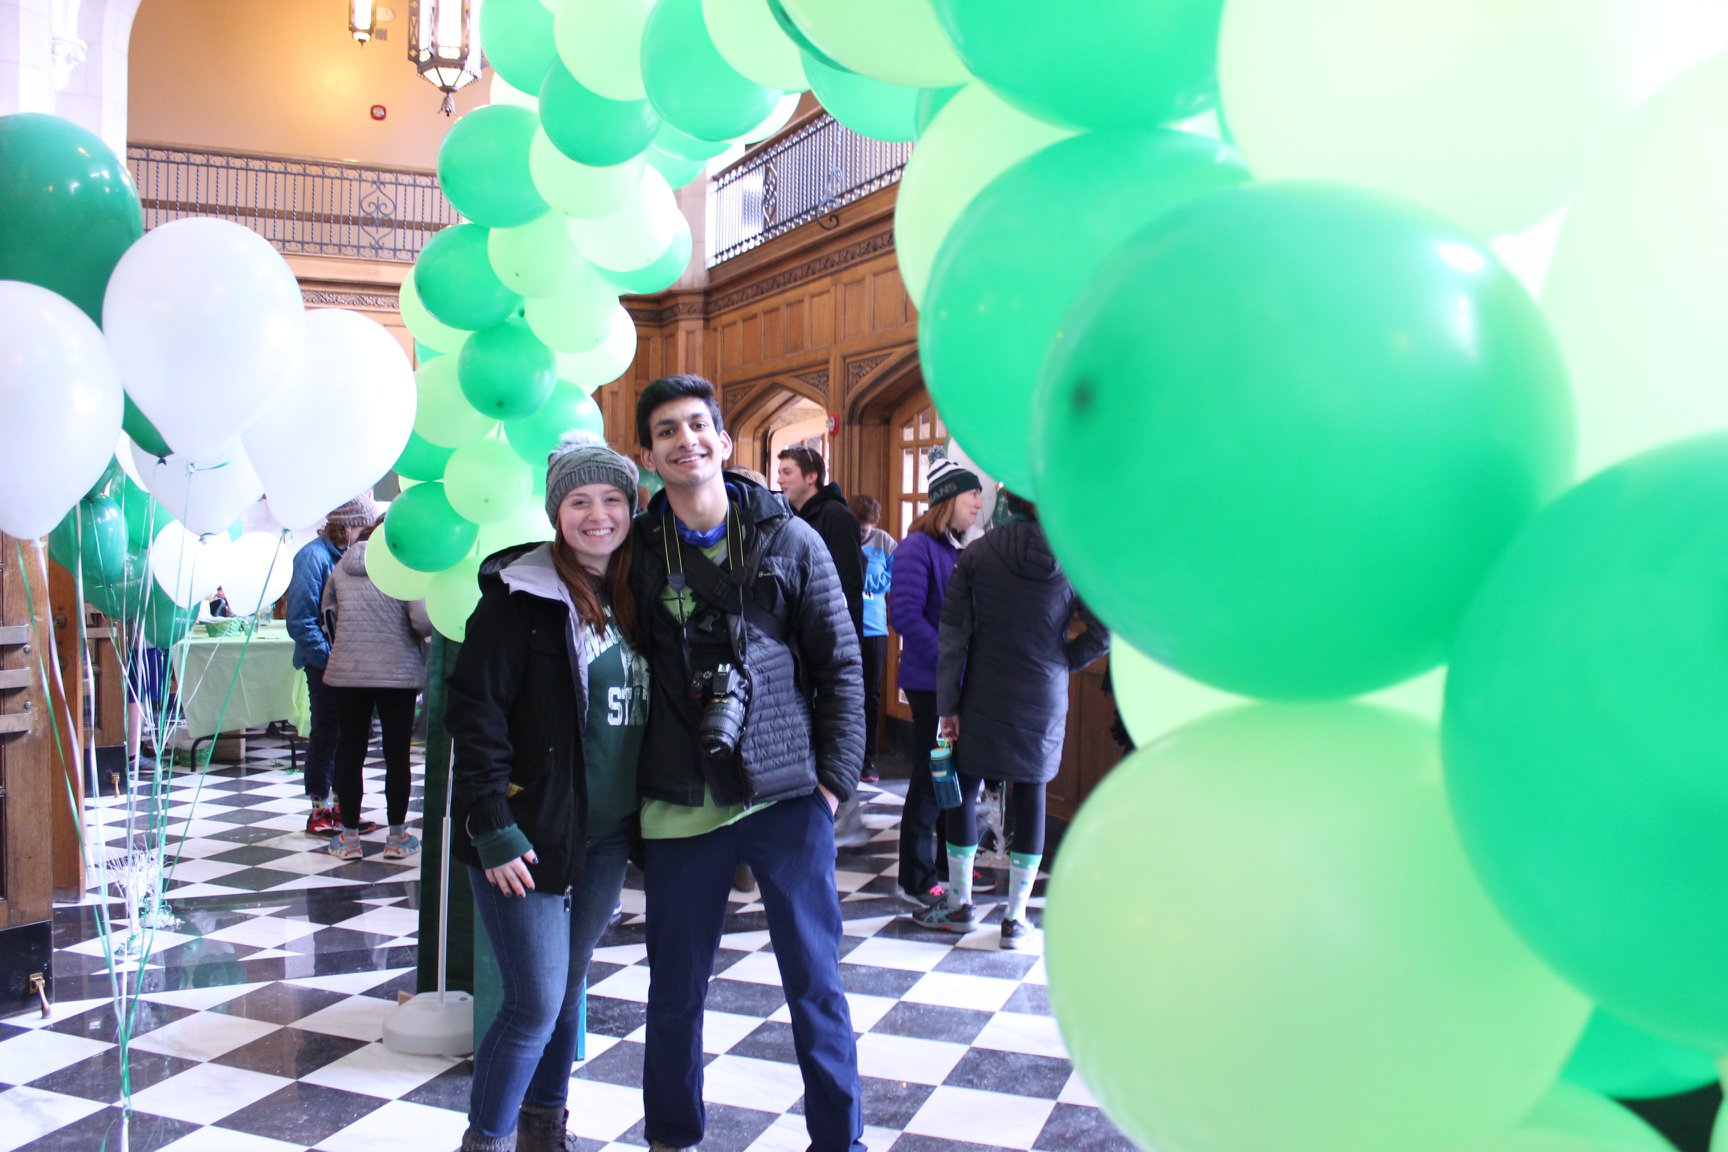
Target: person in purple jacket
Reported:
point(922, 565)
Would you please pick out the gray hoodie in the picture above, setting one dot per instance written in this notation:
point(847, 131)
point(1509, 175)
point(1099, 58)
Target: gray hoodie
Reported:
point(376, 641)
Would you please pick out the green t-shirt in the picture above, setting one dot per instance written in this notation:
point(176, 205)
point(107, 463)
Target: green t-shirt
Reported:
point(662, 819)
point(617, 719)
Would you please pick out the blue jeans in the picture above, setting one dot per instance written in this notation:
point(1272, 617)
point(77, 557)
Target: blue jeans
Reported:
point(790, 848)
point(543, 942)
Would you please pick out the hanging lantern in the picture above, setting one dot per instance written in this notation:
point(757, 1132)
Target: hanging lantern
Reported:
point(444, 44)
point(362, 20)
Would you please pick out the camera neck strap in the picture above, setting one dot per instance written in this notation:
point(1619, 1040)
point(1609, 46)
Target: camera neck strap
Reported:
point(688, 566)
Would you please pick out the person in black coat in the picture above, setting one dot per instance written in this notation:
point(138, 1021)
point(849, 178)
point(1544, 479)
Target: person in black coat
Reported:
point(1002, 671)
point(802, 472)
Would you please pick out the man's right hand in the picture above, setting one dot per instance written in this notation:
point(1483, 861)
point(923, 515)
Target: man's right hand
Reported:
point(513, 879)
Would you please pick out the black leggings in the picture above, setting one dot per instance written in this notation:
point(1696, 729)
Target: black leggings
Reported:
point(1025, 815)
point(354, 707)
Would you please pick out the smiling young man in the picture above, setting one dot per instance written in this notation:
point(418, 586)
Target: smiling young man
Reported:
point(757, 734)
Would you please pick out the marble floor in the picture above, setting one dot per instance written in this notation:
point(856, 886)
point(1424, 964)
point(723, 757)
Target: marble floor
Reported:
point(256, 1021)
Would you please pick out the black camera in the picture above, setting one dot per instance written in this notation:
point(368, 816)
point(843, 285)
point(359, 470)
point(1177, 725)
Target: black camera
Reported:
point(725, 695)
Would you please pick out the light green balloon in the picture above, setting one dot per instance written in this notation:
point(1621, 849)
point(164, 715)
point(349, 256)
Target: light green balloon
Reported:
point(577, 318)
point(578, 189)
point(600, 41)
point(536, 259)
point(1635, 289)
point(869, 107)
point(974, 139)
point(388, 574)
point(930, 102)
point(750, 40)
point(898, 41)
point(1483, 112)
point(661, 274)
point(1570, 1119)
point(677, 170)
point(451, 596)
point(568, 409)
point(485, 481)
point(443, 415)
point(525, 525)
point(601, 366)
point(1619, 1059)
point(1315, 967)
point(425, 328)
point(685, 146)
point(689, 82)
point(638, 233)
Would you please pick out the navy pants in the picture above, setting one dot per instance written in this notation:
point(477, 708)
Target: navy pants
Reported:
point(790, 848)
point(321, 740)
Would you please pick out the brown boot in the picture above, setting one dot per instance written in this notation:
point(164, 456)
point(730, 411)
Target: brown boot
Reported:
point(542, 1130)
point(473, 1141)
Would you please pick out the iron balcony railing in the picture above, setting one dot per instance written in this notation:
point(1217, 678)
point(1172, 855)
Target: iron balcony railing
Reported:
point(317, 207)
point(805, 175)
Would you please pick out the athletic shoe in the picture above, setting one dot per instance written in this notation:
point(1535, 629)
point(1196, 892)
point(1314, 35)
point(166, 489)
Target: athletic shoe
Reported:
point(983, 881)
point(1015, 933)
point(945, 919)
point(323, 822)
point(346, 845)
point(869, 775)
point(930, 897)
point(400, 847)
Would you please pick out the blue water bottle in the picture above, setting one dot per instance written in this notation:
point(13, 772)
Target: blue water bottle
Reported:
point(943, 776)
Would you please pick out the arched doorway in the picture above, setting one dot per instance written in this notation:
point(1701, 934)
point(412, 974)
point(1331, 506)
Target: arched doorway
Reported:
point(771, 415)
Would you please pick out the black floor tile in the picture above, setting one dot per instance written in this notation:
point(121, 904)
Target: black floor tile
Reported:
point(302, 1113)
point(863, 980)
point(101, 1131)
point(280, 1003)
point(989, 1070)
point(290, 1052)
point(98, 1077)
point(933, 1022)
point(1073, 1128)
point(770, 1041)
point(744, 999)
point(620, 1064)
point(610, 1017)
point(893, 1103)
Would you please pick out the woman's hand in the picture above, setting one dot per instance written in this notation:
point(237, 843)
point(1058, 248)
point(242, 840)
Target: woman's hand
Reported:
point(513, 879)
point(948, 727)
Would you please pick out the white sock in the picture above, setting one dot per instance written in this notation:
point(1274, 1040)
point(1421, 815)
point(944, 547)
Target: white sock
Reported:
point(398, 830)
point(317, 802)
point(960, 874)
point(1022, 874)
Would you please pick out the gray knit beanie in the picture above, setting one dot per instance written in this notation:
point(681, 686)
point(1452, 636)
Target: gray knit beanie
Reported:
point(359, 512)
point(583, 458)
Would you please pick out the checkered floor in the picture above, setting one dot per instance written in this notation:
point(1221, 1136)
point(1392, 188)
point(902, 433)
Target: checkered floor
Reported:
point(258, 1027)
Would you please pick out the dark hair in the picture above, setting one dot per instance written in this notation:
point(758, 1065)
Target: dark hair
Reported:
point(366, 532)
point(808, 460)
point(589, 610)
point(865, 509)
point(1020, 506)
point(669, 388)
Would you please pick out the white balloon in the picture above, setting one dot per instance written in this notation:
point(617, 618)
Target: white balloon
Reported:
point(188, 567)
point(341, 422)
point(205, 496)
point(60, 407)
point(637, 234)
point(205, 321)
point(590, 370)
point(258, 568)
point(129, 462)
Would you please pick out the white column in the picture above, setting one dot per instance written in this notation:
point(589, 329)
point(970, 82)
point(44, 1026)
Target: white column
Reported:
point(26, 63)
point(68, 57)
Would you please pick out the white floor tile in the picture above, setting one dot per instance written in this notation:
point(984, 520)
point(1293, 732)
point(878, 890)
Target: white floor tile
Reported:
point(756, 968)
point(201, 999)
point(265, 931)
point(626, 984)
point(745, 941)
point(376, 1071)
point(385, 922)
point(189, 871)
point(981, 1117)
point(358, 1018)
point(32, 1018)
point(1076, 1092)
point(745, 1082)
point(205, 1094)
point(400, 1124)
point(958, 990)
point(31, 1113)
point(226, 1140)
point(204, 1036)
point(907, 955)
point(352, 983)
point(600, 1111)
point(907, 1058)
point(721, 1030)
point(308, 863)
point(35, 1054)
point(195, 891)
point(1019, 1032)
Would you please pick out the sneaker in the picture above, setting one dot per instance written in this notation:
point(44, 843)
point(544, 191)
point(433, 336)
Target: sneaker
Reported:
point(945, 919)
point(1015, 933)
point(346, 845)
point(869, 775)
point(401, 847)
point(323, 822)
point(930, 897)
point(983, 881)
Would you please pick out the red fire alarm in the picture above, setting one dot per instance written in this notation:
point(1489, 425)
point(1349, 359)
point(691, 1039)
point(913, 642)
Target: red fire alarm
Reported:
point(833, 423)
point(379, 112)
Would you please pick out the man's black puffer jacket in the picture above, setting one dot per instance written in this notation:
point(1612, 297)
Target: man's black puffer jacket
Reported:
point(516, 707)
point(805, 723)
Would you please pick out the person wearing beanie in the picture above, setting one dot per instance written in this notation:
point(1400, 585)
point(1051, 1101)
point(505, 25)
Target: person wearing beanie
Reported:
point(547, 706)
point(922, 565)
point(312, 567)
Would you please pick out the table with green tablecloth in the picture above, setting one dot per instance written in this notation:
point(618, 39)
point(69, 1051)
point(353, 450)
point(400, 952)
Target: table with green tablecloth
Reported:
point(234, 681)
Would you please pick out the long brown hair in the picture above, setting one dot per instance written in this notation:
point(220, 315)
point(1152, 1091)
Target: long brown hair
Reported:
point(935, 521)
point(589, 609)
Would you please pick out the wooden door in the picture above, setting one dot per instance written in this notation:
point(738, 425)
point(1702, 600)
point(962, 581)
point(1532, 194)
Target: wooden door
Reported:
point(26, 781)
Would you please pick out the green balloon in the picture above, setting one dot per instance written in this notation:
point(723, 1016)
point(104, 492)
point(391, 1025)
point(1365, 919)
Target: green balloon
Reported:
point(664, 272)
point(1014, 263)
point(505, 372)
point(796, 35)
point(589, 128)
point(518, 39)
point(1315, 967)
point(1333, 409)
point(442, 415)
point(689, 82)
point(1570, 1119)
point(483, 166)
point(71, 210)
point(930, 102)
point(387, 573)
point(455, 281)
point(567, 409)
point(1121, 64)
point(868, 107)
point(578, 318)
point(425, 352)
point(1584, 736)
point(1619, 1059)
point(122, 599)
point(685, 146)
point(165, 623)
point(105, 482)
point(677, 170)
point(745, 32)
point(537, 258)
point(145, 517)
point(430, 336)
point(421, 459)
point(486, 481)
point(451, 596)
point(581, 190)
point(142, 432)
point(424, 532)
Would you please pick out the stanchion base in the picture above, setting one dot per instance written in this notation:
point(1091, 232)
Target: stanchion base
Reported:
point(421, 1026)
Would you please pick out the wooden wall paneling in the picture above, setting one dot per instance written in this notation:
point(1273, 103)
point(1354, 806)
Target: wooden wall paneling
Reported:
point(67, 802)
point(27, 782)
